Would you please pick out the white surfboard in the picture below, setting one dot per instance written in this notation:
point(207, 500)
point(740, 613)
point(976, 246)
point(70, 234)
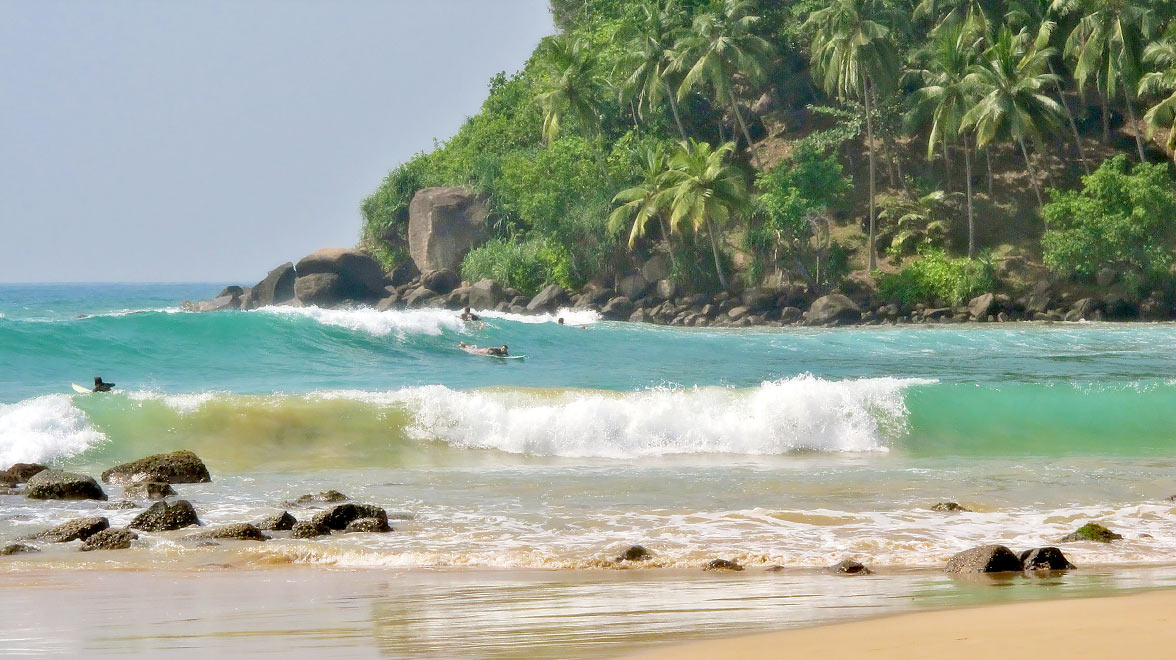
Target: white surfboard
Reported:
point(81, 390)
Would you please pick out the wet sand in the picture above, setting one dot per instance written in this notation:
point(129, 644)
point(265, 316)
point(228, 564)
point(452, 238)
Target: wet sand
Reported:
point(1136, 626)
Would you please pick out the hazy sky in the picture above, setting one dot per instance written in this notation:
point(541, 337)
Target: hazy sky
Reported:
point(210, 141)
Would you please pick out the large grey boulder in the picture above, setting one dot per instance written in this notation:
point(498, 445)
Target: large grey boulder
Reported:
point(58, 485)
point(618, 309)
point(981, 306)
point(80, 528)
point(657, 268)
point(833, 309)
point(162, 517)
point(485, 294)
point(110, 539)
point(177, 467)
point(319, 289)
point(550, 298)
point(234, 531)
point(281, 522)
point(1045, 559)
point(984, 559)
point(443, 225)
point(218, 304)
point(440, 281)
point(338, 517)
point(22, 472)
point(276, 288)
point(632, 286)
point(360, 276)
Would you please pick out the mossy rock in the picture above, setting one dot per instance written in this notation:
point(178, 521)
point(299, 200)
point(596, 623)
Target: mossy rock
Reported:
point(1092, 532)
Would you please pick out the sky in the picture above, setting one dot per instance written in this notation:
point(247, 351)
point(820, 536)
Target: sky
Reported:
point(209, 141)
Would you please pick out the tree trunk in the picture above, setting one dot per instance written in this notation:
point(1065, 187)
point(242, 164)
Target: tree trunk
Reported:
point(968, 183)
point(1131, 118)
point(1106, 117)
point(870, 148)
point(1032, 174)
point(746, 134)
point(674, 108)
point(1073, 126)
point(669, 242)
point(988, 161)
point(710, 229)
point(947, 166)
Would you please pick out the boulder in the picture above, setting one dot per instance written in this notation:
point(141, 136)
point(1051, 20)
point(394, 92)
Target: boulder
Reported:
point(632, 286)
point(22, 472)
point(618, 309)
point(1045, 559)
point(984, 559)
point(232, 291)
point(1119, 306)
point(833, 309)
point(1105, 277)
point(162, 517)
point(443, 225)
point(485, 294)
point(122, 505)
point(640, 315)
point(759, 299)
point(319, 289)
point(949, 507)
point(440, 281)
point(404, 273)
point(372, 525)
point(58, 485)
point(1084, 308)
point(177, 467)
point(737, 313)
point(234, 531)
point(360, 276)
point(218, 304)
point(549, 299)
point(981, 306)
point(307, 529)
point(722, 565)
point(791, 315)
point(326, 497)
point(338, 517)
point(150, 490)
point(657, 268)
point(278, 523)
point(388, 303)
point(665, 289)
point(110, 539)
point(849, 567)
point(276, 288)
point(635, 553)
point(81, 528)
point(418, 297)
point(1091, 532)
point(17, 549)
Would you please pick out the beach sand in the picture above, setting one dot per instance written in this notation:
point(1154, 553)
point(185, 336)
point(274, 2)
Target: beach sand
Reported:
point(1136, 626)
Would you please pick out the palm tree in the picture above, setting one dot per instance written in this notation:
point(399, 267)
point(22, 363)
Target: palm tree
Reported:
point(704, 190)
point(570, 86)
point(853, 55)
point(1161, 55)
point(1107, 45)
point(648, 45)
point(647, 200)
point(1012, 105)
point(946, 97)
point(719, 47)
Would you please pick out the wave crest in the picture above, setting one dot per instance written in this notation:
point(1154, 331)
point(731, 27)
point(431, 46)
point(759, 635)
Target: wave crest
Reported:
point(44, 428)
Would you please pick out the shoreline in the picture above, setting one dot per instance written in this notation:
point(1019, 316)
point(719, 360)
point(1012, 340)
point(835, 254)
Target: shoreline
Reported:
point(1135, 625)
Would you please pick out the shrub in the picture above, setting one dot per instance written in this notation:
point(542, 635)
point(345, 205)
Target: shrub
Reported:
point(935, 276)
point(527, 265)
point(385, 212)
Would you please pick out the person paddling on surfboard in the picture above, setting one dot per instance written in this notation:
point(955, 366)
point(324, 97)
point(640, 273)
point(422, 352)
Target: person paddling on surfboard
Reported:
point(499, 351)
point(100, 386)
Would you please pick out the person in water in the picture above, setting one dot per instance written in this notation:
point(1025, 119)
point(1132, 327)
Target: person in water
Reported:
point(499, 351)
point(467, 315)
point(100, 386)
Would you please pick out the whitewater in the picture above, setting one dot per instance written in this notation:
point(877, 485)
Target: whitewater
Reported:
point(791, 447)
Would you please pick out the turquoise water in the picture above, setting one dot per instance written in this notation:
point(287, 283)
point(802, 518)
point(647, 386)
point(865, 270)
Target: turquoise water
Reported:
point(789, 446)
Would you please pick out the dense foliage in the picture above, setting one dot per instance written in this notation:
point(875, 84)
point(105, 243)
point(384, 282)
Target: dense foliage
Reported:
point(798, 132)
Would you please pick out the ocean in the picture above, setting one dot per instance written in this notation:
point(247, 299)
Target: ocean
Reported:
point(791, 447)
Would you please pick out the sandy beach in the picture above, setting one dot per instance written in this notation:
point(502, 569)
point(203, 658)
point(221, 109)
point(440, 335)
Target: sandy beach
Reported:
point(1136, 626)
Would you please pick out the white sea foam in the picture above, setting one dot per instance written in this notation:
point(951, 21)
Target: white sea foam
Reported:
point(375, 322)
point(44, 428)
point(802, 413)
point(570, 316)
point(181, 403)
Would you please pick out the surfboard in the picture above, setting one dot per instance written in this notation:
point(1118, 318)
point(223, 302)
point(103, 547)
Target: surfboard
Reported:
point(508, 357)
point(81, 390)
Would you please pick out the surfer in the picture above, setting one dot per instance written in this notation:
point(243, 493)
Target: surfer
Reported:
point(467, 315)
point(100, 386)
point(494, 351)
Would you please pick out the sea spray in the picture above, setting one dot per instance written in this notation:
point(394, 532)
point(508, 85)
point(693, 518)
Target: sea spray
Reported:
point(44, 428)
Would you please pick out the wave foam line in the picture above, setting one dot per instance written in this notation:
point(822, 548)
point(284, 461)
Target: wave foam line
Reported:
point(44, 428)
point(375, 322)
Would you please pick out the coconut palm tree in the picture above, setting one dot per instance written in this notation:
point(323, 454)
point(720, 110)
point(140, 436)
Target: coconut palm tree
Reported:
point(853, 55)
point(704, 190)
point(647, 200)
point(720, 46)
point(1012, 106)
point(1161, 56)
point(570, 85)
point(1107, 45)
point(648, 46)
point(946, 97)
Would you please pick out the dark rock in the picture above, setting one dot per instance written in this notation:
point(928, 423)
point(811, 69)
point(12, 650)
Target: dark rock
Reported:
point(759, 299)
point(17, 549)
point(403, 274)
point(276, 288)
point(360, 276)
point(373, 525)
point(22, 472)
point(657, 268)
point(849, 567)
point(325, 497)
point(635, 553)
point(277, 523)
point(151, 490)
point(1082, 309)
point(162, 517)
point(81, 528)
point(485, 294)
point(1038, 303)
point(418, 297)
point(949, 506)
point(984, 559)
point(1091, 532)
point(338, 517)
point(118, 506)
point(58, 485)
point(234, 531)
point(833, 309)
point(388, 303)
point(722, 565)
point(307, 529)
point(981, 306)
point(1120, 306)
point(110, 539)
point(618, 309)
point(550, 298)
point(440, 281)
point(319, 289)
point(665, 289)
point(736, 313)
point(218, 304)
point(1105, 277)
point(1047, 559)
point(791, 315)
point(632, 286)
point(232, 291)
point(764, 103)
point(443, 225)
point(775, 568)
point(177, 467)
point(8, 480)
point(641, 315)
